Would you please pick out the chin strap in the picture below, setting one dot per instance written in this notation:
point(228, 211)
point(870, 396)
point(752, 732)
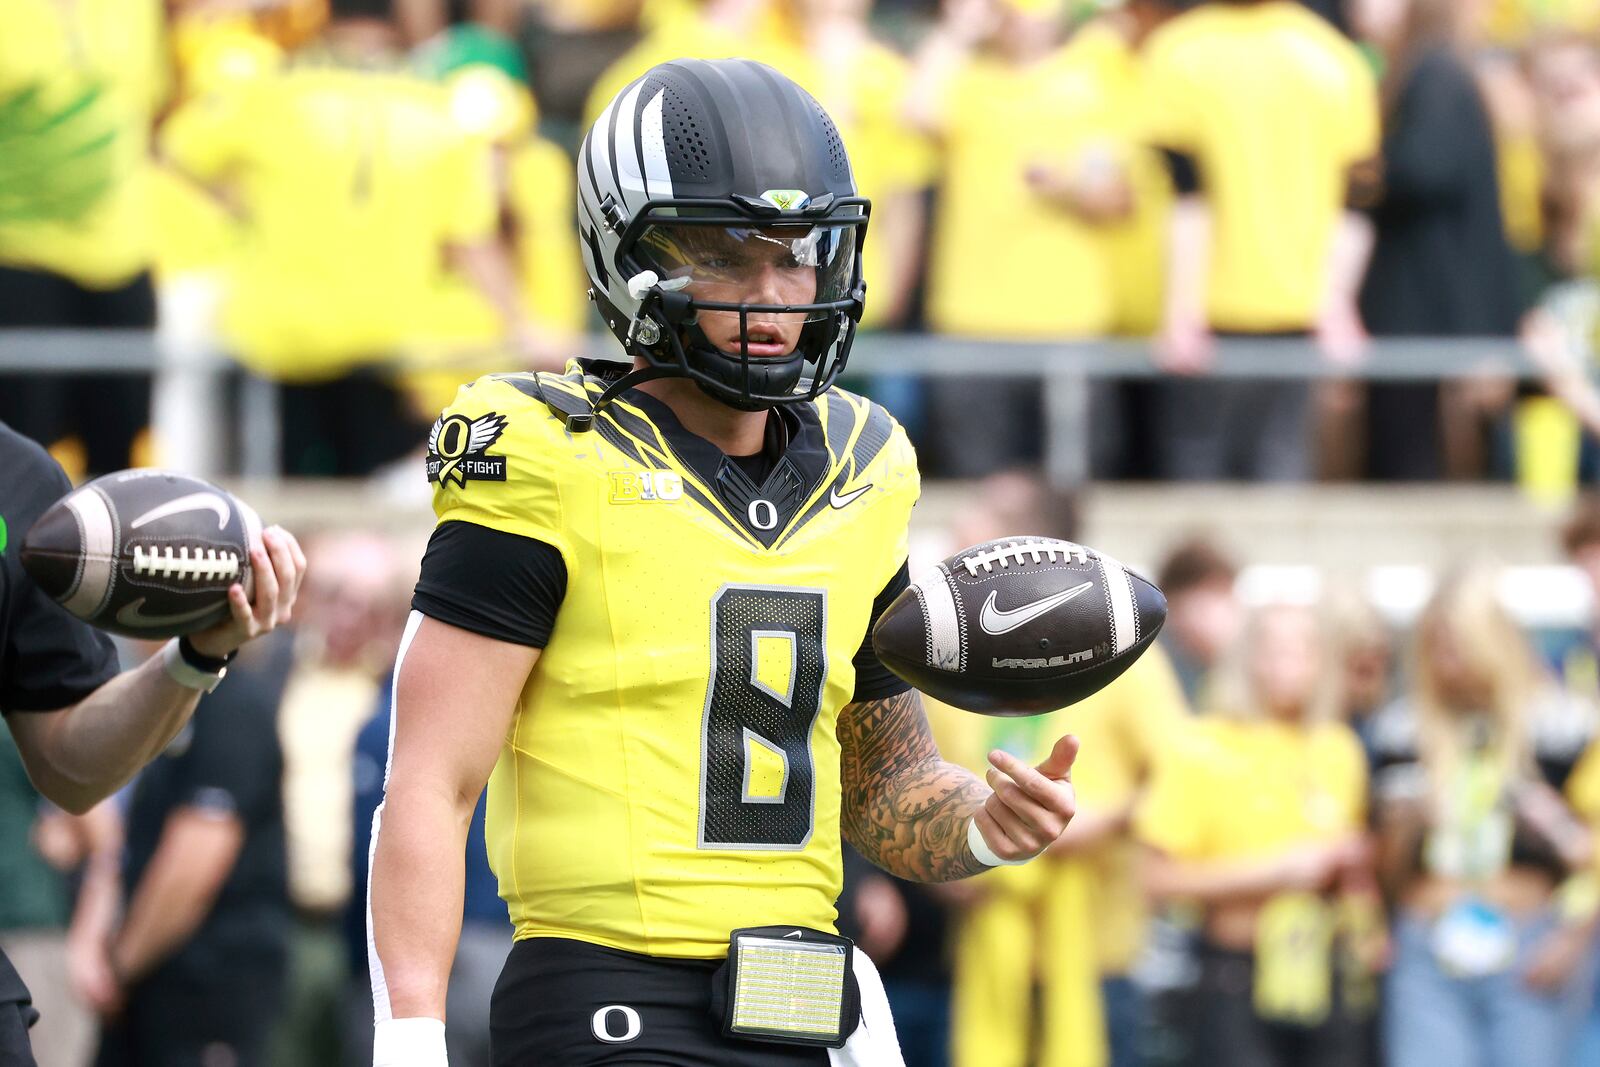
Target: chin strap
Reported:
point(577, 412)
point(638, 376)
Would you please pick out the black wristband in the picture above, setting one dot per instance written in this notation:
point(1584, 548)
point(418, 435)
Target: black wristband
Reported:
point(199, 660)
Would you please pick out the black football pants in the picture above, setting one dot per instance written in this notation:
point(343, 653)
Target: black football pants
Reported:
point(569, 1004)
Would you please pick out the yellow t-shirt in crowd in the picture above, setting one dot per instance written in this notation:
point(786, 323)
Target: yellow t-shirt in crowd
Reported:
point(349, 184)
point(1135, 248)
point(194, 232)
point(80, 84)
point(1274, 105)
point(212, 53)
point(680, 32)
point(1246, 790)
point(865, 97)
point(1004, 261)
point(1124, 730)
point(540, 192)
point(1583, 785)
point(1520, 167)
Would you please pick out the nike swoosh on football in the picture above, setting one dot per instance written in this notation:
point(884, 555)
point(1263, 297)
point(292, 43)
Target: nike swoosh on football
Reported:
point(995, 621)
point(192, 502)
point(844, 501)
point(132, 615)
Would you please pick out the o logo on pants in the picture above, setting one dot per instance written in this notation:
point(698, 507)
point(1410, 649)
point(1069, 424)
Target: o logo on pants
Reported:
point(602, 1024)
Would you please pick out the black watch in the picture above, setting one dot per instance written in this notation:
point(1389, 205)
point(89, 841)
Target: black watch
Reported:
point(200, 661)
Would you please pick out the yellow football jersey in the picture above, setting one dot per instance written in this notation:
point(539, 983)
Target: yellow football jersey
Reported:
point(672, 770)
point(1274, 105)
point(349, 184)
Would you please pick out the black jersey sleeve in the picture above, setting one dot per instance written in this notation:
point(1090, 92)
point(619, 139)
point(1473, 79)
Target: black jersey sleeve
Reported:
point(1184, 171)
point(498, 584)
point(874, 681)
point(48, 658)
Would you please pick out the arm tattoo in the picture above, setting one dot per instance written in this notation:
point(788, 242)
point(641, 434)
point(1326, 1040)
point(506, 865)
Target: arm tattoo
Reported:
point(905, 809)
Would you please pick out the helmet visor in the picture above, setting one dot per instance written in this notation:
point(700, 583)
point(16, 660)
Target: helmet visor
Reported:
point(797, 271)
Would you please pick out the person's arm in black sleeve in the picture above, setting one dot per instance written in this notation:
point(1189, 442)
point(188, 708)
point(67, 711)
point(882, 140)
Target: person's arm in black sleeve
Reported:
point(228, 782)
point(87, 730)
point(50, 658)
point(1183, 170)
point(874, 681)
point(493, 583)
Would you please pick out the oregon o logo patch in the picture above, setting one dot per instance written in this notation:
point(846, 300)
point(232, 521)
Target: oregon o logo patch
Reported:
point(456, 449)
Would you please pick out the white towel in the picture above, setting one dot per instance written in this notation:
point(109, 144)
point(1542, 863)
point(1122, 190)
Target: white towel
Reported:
point(874, 1044)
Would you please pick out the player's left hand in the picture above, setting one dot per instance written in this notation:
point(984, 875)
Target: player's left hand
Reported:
point(278, 565)
point(1030, 806)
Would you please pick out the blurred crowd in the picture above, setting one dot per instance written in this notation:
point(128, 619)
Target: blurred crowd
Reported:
point(368, 201)
point(1308, 833)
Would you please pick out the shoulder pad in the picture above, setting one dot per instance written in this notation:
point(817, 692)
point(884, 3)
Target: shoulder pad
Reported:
point(564, 394)
point(567, 397)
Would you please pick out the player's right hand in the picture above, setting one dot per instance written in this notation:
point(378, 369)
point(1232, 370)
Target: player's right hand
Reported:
point(279, 566)
point(1030, 806)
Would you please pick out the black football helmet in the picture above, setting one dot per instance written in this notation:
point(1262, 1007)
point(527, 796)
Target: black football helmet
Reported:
point(722, 232)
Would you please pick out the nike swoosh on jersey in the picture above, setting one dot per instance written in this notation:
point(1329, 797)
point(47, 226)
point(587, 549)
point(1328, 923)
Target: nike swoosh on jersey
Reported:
point(132, 615)
point(844, 501)
point(192, 502)
point(995, 621)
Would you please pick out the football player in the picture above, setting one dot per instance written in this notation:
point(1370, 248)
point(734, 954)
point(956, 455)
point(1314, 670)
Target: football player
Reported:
point(646, 610)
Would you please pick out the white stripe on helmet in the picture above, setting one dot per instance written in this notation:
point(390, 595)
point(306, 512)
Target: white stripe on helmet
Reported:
point(657, 175)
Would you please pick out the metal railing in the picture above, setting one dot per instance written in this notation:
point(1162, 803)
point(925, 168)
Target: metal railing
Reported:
point(189, 398)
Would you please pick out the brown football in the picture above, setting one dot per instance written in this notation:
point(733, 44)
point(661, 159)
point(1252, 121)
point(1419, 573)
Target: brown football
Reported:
point(143, 553)
point(1019, 626)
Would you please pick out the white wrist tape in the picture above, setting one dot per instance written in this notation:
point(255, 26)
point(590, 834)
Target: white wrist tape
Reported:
point(980, 848)
point(409, 1043)
point(179, 670)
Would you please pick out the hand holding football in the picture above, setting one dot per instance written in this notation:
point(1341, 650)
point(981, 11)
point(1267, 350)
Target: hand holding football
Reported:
point(145, 553)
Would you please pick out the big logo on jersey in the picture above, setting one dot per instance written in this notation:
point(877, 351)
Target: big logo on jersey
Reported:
point(456, 447)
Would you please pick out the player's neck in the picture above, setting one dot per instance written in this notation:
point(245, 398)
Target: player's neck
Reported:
point(735, 432)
